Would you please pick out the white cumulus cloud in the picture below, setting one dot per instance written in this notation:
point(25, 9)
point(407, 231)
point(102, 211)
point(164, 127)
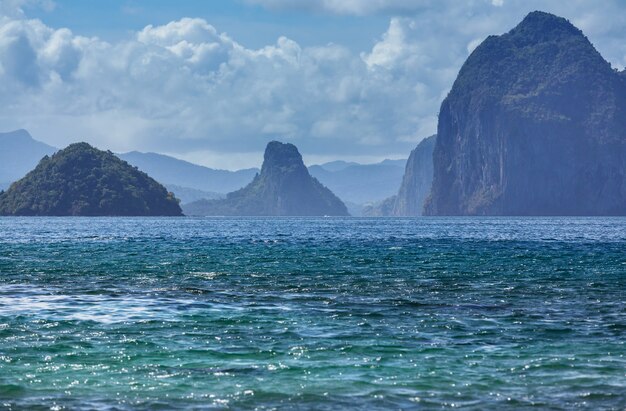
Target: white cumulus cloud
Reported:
point(187, 88)
point(362, 7)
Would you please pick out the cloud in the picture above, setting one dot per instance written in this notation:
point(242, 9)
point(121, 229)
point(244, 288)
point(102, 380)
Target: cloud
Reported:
point(186, 88)
point(359, 7)
point(392, 47)
point(19, 58)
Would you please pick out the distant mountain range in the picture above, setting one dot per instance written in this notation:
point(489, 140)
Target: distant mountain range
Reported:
point(356, 184)
point(337, 165)
point(352, 182)
point(188, 195)
point(19, 153)
point(415, 188)
point(174, 172)
point(361, 183)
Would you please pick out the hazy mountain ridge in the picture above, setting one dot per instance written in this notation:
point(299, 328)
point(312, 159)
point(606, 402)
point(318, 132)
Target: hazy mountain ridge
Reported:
point(19, 153)
point(415, 187)
point(336, 165)
point(189, 195)
point(172, 171)
point(535, 124)
point(284, 187)
point(355, 183)
point(352, 182)
point(83, 181)
point(362, 183)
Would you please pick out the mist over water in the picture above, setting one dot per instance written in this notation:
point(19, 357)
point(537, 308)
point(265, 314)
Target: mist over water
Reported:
point(325, 313)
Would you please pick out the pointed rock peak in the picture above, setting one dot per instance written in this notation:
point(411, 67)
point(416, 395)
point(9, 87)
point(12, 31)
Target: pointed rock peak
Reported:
point(283, 188)
point(539, 26)
point(279, 154)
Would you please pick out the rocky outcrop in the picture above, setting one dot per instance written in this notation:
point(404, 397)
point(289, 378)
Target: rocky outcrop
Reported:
point(83, 181)
point(284, 187)
point(415, 187)
point(535, 124)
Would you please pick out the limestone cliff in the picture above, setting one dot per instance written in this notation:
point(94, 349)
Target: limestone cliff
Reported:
point(415, 187)
point(535, 124)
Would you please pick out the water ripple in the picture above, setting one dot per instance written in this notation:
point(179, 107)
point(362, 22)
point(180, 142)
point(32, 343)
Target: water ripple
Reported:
point(313, 313)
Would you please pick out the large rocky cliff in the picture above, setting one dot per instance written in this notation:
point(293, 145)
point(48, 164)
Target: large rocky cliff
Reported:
point(415, 187)
point(284, 187)
point(535, 124)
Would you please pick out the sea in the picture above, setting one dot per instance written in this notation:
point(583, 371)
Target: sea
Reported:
point(312, 313)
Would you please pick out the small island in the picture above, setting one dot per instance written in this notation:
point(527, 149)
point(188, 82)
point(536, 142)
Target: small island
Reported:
point(84, 181)
point(283, 188)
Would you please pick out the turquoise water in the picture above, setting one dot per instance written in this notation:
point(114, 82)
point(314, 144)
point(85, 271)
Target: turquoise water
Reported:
point(426, 313)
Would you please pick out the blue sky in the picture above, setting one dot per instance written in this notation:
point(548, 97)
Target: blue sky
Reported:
point(213, 81)
point(252, 24)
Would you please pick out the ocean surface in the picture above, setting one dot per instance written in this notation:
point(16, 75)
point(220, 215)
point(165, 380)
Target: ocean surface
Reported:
point(328, 314)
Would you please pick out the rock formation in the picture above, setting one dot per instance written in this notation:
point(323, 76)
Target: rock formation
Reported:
point(284, 187)
point(535, 124)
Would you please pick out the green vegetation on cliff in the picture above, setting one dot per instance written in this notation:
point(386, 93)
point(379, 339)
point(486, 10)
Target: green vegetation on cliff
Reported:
point(535, 124)
point(83, 181)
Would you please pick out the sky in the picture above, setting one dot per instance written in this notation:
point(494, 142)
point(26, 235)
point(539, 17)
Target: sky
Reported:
point(213, 81)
